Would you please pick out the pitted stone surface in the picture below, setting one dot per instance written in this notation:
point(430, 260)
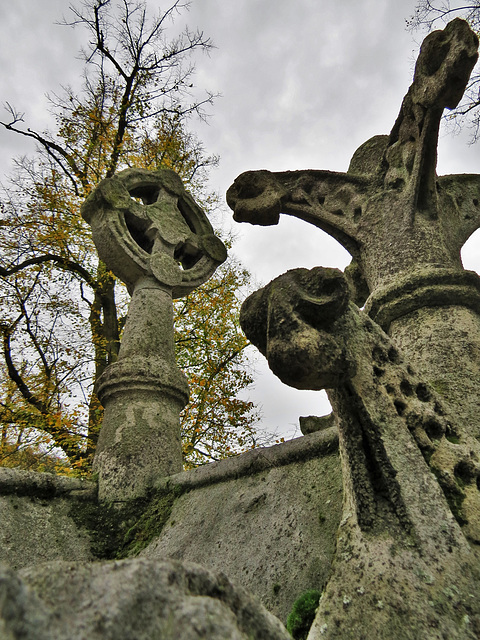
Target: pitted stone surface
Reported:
point(138, 599)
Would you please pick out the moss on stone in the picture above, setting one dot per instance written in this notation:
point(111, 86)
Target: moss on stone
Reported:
point(454, 494)
point(441, 387)
point(303, 614)
point(123, 530)
point(452, 438)
point(149, 525)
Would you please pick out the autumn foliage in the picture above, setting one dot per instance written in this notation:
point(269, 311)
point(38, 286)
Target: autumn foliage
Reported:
point(62, 311)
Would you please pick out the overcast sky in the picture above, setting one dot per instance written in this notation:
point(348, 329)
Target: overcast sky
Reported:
point(303, 84)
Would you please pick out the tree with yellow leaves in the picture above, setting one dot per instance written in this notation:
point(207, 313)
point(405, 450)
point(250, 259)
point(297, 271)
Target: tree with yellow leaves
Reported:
point(63, 311)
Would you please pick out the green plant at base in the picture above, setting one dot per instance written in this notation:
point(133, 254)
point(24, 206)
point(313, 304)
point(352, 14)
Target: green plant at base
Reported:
point(302, 615)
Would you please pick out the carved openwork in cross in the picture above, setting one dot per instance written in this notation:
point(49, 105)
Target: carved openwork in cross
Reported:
point(154, 237)
point(403, 225)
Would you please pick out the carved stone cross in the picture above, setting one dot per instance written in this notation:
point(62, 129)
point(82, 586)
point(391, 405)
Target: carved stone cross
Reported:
point(406, 404)
point(161, 247)
point(403, 225)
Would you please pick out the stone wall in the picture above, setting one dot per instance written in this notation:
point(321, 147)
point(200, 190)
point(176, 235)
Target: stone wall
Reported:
point(266, 518)
point(36, 518)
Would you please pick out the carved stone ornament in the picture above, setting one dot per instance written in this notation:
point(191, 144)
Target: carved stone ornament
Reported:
point(145, 223)
point(403, 225)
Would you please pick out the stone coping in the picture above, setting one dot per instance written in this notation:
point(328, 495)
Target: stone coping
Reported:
point(317, 444)
point(44, 485)
point(47, 485)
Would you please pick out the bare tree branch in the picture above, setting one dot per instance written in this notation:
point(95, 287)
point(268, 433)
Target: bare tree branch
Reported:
point(61, 261)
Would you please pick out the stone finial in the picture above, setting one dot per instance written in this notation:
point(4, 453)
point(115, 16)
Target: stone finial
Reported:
point(154, 237)
point(390, 211)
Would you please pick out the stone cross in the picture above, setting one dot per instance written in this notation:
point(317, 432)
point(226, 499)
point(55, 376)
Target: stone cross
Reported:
point(406, 404)
point(154, 237)
point(403, 225)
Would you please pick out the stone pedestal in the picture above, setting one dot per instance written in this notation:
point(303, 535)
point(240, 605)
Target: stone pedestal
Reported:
point(143, 394)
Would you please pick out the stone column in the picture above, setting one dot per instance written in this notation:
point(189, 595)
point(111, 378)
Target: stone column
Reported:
point(143, 394)
point(433, 315)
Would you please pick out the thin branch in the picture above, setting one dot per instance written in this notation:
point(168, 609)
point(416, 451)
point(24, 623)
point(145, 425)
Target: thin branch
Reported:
point(31, 333)
point(50, 147)
point(100, 44)
point(15, 376)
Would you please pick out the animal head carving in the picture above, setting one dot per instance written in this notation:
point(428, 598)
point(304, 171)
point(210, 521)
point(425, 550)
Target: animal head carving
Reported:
point(296, 322)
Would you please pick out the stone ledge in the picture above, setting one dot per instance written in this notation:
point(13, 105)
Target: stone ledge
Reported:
point(44, 485)
point(425, 287)
point(318, 444)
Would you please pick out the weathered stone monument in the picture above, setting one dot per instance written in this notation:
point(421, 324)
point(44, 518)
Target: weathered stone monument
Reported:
point(162, 246)
point(400, 559)
point(402, 541)
point(403, 225)
point(406, 401)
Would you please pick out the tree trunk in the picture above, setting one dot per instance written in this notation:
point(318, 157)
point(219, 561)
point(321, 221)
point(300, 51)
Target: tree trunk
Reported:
point(106, 339)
